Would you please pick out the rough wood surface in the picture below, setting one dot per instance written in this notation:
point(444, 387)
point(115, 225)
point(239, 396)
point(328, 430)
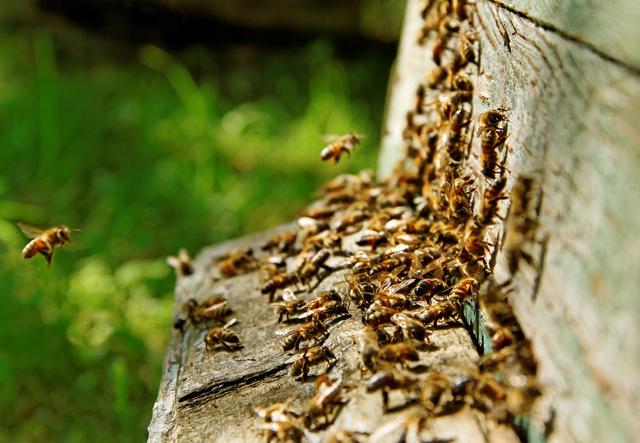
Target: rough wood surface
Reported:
point(211, 396)
point(575, 124)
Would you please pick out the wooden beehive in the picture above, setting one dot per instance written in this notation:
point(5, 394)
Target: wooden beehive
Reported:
point(569, 79)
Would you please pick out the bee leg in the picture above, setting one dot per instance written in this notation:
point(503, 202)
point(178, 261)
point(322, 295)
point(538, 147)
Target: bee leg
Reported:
point(47, 254)
point(385, 400)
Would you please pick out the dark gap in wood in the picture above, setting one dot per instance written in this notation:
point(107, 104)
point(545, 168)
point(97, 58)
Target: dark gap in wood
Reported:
point(567, 36)
point(228, 385)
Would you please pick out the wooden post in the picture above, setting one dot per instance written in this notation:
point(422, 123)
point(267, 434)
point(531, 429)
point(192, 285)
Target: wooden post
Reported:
point(572, 94)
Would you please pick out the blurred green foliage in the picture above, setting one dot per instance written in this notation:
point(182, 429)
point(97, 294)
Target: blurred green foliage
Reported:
point(146, 151)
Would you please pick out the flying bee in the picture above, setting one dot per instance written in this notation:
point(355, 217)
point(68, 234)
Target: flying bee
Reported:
point(412, 328)
point(344, 144)
point(328, 398)
point(182, 264)
point(387, 381)
point(315, 330)
point(290, 306)
point(223, 337)
point(44, 241)
point(311, 357)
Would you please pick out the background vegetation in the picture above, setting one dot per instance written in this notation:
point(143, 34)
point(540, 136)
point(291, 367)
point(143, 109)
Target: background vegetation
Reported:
point(146, 150)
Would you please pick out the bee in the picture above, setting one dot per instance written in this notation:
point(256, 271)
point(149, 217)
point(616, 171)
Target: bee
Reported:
point(328, 398)
point(311, 357)
point(438, 312)
point(313, 265)
point(213, 308)
point(434, 79)
point(278, 281)
point(281, 242)
point(282, 431)
point(277, 412)
point(182, 264)
point(314, 330)
point(369, 348)
point(522, 225)
point(463, 289)
point(377, 314)
point(44, 241)
point(236, 262)
point(412, 328)
point(344, 144)
point(433, 392)
point(398, 353)
point(371, 238)
point(387, 381)
point(492, 141)
point(290, 306)
point(223, 337)
point(427, 287)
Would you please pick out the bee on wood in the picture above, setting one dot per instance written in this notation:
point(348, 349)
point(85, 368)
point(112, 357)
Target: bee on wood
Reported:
point(214, 308)
point(426, 288)
point(434, 79)
point(284, 242)
point(324, 404)
point(369, 348)
point(236, 262)
point(433, 314)
point(370, 238)
point(182, 263)
point(313, 265)
point(44, 241)
point(311, 357)
point(435, 392)
point(315, 331)
point(290, 306)
point(412, 328)
point(377, 314)
point(493, 135)
point(521, 227)
point(463, 289)
point(398, 353)
point(278, 281)
point(344, 144)
point(386, 381)
point(285, 430)
point(223, 337)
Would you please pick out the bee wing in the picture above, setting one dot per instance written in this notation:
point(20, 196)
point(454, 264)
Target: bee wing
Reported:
point(29, 230)
point(173, 261)
point(285, 332)
point(289, 296)
point(215, 306)
point(230, 322)
point(331, 138)
point(400, 286)
point(311, 312)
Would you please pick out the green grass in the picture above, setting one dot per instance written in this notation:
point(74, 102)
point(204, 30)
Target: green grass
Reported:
point(146, 152)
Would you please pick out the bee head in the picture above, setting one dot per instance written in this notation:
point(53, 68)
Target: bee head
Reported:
point(64, 234)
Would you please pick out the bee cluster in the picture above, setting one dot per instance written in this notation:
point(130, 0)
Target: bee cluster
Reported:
point(414, 250)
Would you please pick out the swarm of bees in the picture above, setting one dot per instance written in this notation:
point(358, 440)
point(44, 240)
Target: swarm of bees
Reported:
point(414, 251)
point(344, 144)
point(44, 241)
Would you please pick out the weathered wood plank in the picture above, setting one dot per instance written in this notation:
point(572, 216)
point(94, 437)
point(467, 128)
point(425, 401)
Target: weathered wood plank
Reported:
point(610, 27)
point(574, 123)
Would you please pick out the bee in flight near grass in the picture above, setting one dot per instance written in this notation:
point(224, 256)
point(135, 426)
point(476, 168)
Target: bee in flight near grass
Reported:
point(339, 144)
point(44, 241)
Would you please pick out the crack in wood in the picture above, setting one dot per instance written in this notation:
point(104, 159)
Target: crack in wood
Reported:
point(224, 386)
point(567, 36)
